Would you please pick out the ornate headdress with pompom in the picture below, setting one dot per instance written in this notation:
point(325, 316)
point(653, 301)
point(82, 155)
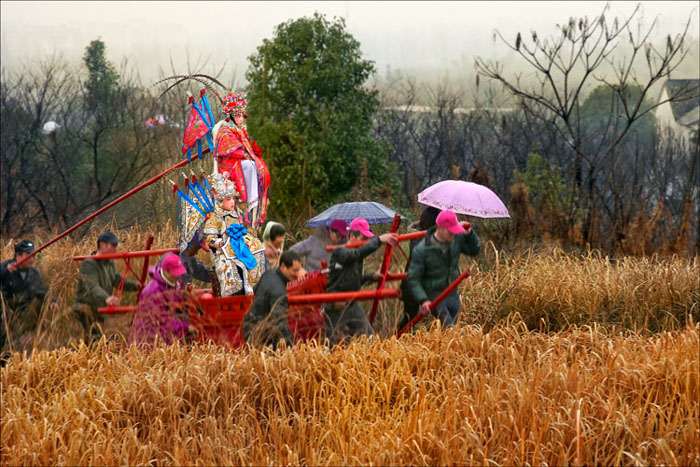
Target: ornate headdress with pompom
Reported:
point(222, 186)
point(233, 104)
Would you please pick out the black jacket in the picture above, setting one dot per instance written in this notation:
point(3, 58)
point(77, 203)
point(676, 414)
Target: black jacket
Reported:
point(19, 292)
point(23, 297)
point(270, 303)
point(345, 267)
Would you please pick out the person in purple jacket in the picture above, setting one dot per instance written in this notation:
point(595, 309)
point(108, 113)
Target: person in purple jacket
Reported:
point(156, 317)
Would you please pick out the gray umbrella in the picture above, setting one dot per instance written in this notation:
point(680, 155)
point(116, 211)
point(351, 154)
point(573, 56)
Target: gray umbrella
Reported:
point(375, 213)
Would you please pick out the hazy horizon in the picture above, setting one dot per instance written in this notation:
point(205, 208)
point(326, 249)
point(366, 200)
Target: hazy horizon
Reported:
point(399, 35)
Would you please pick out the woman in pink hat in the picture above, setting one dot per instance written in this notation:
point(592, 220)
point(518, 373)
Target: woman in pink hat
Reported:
point(159, 301)
point(345, 274)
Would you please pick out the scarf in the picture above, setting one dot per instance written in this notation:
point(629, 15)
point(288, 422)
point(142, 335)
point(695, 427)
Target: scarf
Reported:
point(235, 234)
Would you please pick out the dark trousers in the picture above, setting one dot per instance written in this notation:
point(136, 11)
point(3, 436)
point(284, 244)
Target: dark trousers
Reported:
point(91, 322)
point(341, 322)
point(447, 311)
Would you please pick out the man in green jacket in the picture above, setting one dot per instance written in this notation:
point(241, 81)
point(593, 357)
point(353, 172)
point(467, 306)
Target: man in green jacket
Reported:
point(98, 278)
point(435, 264)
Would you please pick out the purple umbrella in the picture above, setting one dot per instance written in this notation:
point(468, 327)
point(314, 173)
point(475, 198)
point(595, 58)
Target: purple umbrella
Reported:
point(463, 198)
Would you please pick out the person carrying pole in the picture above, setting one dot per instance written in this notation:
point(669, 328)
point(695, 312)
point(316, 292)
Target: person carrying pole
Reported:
point(345, 274)
point(22, 294)
point(98, 279)
point(435, 264)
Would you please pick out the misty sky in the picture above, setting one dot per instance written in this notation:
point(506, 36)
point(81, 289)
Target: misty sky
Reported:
point(402, 35)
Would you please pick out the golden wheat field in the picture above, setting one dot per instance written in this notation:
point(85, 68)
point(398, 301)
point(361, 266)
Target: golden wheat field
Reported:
point(559, 359)
point(454, 397)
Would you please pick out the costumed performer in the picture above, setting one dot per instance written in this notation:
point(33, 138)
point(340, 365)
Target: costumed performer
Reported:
point(236, 155)
point(239, 257)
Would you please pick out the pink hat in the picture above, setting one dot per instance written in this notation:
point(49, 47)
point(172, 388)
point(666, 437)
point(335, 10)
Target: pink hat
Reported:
point(448, 219)
point(173, 264)
point(340, 226)
point(361, 225)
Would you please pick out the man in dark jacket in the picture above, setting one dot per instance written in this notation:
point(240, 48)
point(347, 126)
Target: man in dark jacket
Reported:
point(266, 320)
point(435, 264)
point(98, 278)
point(23, 292)
point(345, 274)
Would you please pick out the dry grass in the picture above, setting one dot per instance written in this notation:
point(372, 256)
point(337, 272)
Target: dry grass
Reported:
point(455, 397)
point(546, 289)
point(60, 273)
point(551, 290)
point(496, 391)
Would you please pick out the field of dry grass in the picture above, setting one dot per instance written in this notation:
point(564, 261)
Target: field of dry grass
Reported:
point(546, 289)
point(560, 359)
point(455, 397)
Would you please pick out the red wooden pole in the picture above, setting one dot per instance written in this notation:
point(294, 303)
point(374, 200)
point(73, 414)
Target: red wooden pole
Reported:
point(128, 254)
point(309, 299)
point(385, 267)
point(342, 296)
point(110, 205)
point(116, 309)
point(435, 302)
point(144, 270)
point(396, 276)
point(400, 238)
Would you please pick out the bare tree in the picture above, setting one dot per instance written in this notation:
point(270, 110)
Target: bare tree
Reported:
point(52, 179)
point(582, 52)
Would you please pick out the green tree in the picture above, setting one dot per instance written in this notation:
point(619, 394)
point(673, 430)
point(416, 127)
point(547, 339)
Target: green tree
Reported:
point(102, 84)
point(312, 115)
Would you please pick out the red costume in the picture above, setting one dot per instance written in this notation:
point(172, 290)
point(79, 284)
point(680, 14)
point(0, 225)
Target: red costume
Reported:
point(232, 146)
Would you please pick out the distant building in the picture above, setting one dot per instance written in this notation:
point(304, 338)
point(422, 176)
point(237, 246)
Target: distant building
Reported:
point(682, 116)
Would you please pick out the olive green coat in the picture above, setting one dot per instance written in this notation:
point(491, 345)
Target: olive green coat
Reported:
point(431, 270)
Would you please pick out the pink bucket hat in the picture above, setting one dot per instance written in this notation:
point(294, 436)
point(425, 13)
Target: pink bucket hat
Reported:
point(339, 225)
point(361, 225)
point(448, 220)
point(173, 264)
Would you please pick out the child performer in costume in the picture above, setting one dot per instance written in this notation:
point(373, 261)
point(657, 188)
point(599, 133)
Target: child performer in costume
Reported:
point(239, 258)
point(234, 153)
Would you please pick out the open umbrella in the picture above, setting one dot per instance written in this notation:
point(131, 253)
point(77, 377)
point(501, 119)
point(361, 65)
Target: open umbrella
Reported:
point(375, 213)
point(463, 198)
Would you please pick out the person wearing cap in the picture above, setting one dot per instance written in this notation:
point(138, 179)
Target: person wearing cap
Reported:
point(435, 264)
point(195, 268)
point(313, 249)
point(266, 322)
point(23, 292)
point(345, 274)
point(156, 318)
point(98, 278)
